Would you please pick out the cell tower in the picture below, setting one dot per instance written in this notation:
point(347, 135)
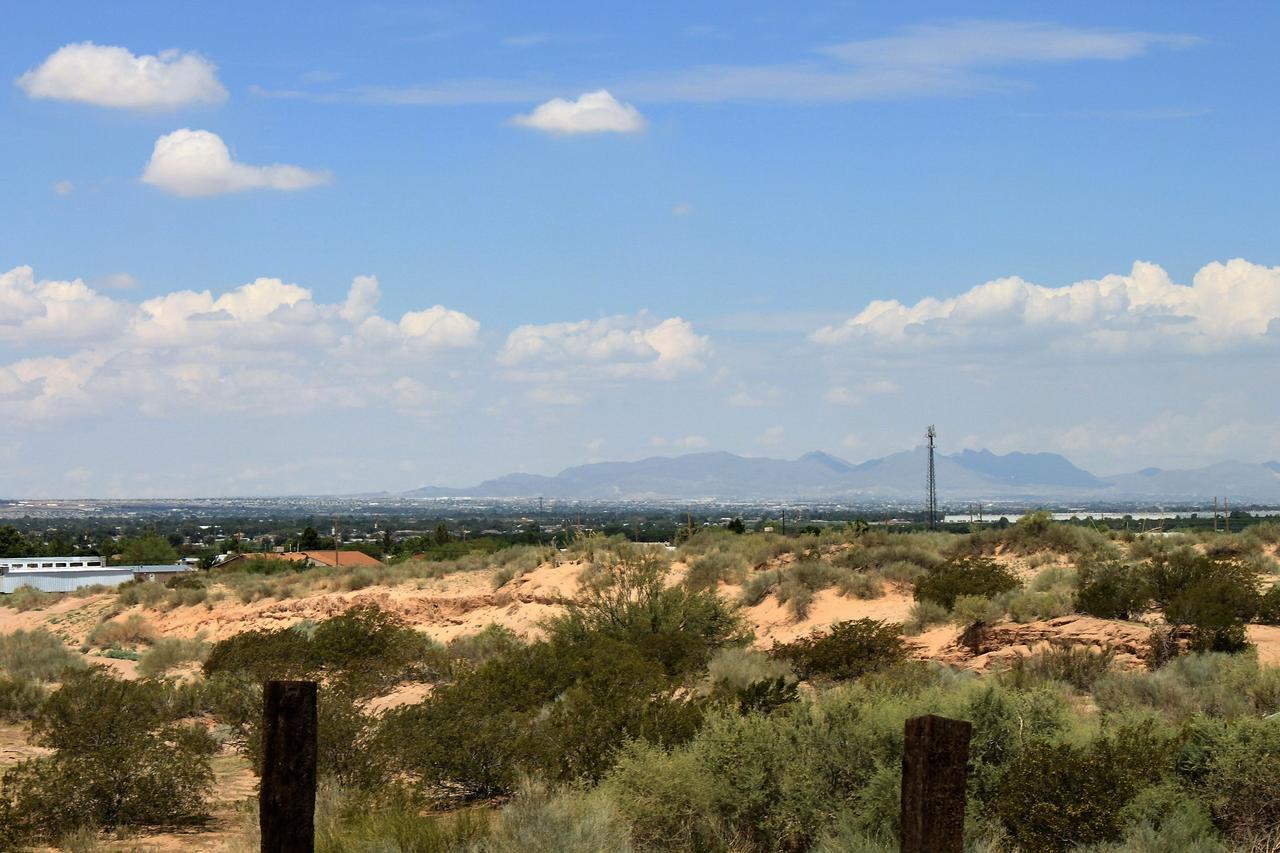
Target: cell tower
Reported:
point(933, 482)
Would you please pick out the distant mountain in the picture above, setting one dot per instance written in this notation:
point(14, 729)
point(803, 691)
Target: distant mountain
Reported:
point(963, 476)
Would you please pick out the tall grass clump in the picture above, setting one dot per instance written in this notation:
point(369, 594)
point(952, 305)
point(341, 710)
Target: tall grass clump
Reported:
point(170, 652)
point(133, 630)
point(37, 655)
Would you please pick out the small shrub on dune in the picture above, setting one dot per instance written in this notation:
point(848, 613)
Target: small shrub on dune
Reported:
point(901, 571)
point(566, 822)
point(708, 571)
point(26, 598)
point(758, 586)
point(796, 596)
point(133, 630)
point(862, 585)
point(923, 616)
point(168, 653)
point(36, 655)
point(845, 651)
point(1214, 685)
point(976, 610)
point(144, 593)
point(20, 698)
point(964, 576)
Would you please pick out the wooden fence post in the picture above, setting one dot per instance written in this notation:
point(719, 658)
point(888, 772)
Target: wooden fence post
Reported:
point(287, 797)
point(935, 765)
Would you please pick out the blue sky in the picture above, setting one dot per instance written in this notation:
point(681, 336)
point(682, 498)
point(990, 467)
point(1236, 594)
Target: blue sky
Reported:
point(648, 229)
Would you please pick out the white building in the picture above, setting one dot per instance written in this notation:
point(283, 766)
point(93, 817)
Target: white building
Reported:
point(64, 574)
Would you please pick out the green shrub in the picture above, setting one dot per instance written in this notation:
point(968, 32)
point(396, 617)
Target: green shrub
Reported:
point(145, 593)
point(1079, 666)
point(1215, 685)
point(392, 820)
point(36, 655)
point(118, 761)
point(964, 576)
point(751, 680)
point(708, 571)
point(629, 601)
point(20, 698)
point(758, 586)
point(976, 610)
point(847, 650)
point(365, 646)
point(1238, 769)
point(924, 615)
point(863, 585)
point(1056, 796)
point(169, 652)
point(569, 822)
point(26, 598)
point(1112, 590)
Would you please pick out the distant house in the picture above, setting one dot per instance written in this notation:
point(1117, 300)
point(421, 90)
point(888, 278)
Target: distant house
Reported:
point(64, 574)
point(309, 558)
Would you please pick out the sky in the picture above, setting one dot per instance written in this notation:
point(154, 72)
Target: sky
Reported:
point(260, 249)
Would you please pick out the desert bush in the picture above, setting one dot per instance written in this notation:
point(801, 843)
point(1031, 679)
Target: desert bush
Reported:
point(847, 650)
point(924, 615)
point(1026, 605)
point(118, 761)
point(26, 598)
point(777, 782)
point(864, 585)
point(37, 655)
point(1036, 531)
point(560, 708)
point(1215, 685)
point(20, 698)
point(751, 680)
point(964, 576)
point(759, 585)
point(568, 822)
point(365, 646)
point(629, 601)
point(902, 571)
point(392, 820)
point(1112, 590)
point(486, 644)
point(1269, 606)
point(169, 652)
point(709, 570)
point(1056, 796)
point(976, 610)
point(1077, 665)
point(134, 629)
point(1237, 767)
point(145, 593)
point(796, 596)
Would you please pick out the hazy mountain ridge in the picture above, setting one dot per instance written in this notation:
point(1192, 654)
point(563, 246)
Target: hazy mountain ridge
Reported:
point(966, 475)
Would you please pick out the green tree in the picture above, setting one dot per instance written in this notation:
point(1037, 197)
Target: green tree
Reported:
point(442, 534)
point(309, 540)
point(13, 543)
point(150, 549)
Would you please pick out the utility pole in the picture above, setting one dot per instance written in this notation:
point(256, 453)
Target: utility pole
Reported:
point(932, 435)
point(1226, 515)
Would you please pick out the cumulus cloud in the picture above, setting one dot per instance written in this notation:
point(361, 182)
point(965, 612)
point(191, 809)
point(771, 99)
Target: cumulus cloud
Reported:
point(1226, 305)
point(255, 345)
point(623, 347)
point(197, 163)
point(687, 442)
point(108, 76)
point(593, 112)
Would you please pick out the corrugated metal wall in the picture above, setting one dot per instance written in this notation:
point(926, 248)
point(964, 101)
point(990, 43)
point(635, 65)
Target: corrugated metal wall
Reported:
point(63, 580)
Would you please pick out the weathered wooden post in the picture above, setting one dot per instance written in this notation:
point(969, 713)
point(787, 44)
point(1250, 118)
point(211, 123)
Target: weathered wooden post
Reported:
point(287, 797)
point(935, 765)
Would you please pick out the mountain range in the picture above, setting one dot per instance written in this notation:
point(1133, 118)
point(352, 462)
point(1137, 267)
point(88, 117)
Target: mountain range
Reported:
point(965, 476)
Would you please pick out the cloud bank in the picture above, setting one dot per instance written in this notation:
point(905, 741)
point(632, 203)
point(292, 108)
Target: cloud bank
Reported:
point(1227, 305)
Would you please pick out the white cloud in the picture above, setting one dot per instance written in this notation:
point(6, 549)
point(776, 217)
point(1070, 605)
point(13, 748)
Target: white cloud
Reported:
point(682, 209)
point(842, 397)
point(63, 188)
point(198, 163)
point(255, 345)
point(624, 347)
point(593, 112)
point(109, 76)
point(1227, 305)
point(773, 435)
point(754, 397)
point(687, 442)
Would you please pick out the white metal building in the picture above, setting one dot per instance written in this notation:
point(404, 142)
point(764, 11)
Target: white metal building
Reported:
point(64, 574)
